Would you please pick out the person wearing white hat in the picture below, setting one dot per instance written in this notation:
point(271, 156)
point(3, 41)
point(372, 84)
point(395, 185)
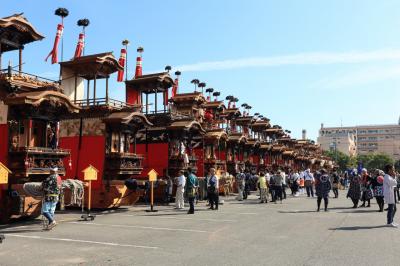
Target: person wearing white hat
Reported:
point(51, 192)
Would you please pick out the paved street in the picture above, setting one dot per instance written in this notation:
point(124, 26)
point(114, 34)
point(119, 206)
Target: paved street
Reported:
point(240, 233)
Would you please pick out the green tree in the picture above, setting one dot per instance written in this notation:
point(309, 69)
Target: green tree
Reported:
point(342, 160)
point(375, 160)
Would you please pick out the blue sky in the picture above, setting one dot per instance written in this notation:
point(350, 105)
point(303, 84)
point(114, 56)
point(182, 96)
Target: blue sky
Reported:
point(300, 63)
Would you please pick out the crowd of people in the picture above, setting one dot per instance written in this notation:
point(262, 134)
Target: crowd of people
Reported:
point(272, 187)
point(361, 187)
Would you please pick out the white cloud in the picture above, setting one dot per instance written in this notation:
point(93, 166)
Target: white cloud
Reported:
point(359, 77)
point(315, 58)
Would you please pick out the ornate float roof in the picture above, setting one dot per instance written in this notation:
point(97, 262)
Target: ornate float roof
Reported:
point(265, 146)
point(127, 118)
point(186, 125)
point(99, 65)
point(16, 31)
point(260, 125)
point(244, 120)
point(26, 82)
point(35, 98)
point(215, 134)
point(215, 105)
point(230, 112)
point(149, 82)
point(237, 137)
point(189, 98)
point(252, 142)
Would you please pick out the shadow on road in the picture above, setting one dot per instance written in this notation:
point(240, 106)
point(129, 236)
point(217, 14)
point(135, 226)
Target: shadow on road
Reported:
point(22, 231)
point(353, 228)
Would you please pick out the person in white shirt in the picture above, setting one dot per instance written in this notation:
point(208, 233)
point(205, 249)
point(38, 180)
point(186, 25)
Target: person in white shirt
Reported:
point(284, 184)
point(179, 200)
point(389, 182)
point(213, 189)
point(294, 178)
point(308, 181)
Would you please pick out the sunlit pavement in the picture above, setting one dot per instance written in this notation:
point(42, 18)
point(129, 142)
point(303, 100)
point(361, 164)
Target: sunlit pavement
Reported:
point(240, 233)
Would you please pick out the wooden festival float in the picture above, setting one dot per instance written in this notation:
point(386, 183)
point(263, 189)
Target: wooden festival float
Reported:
point(103, 134)
point(31, 109)
point(168, 145)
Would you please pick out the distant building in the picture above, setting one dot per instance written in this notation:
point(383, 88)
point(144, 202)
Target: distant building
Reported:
point(362, 139)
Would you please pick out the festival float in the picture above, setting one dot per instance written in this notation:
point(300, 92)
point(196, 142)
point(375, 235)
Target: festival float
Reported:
point(31, 110)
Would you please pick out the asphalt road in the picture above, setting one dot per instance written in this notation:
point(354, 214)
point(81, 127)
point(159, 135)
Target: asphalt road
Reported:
point(240, 233)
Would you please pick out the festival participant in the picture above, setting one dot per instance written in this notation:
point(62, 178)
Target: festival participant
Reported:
point(377, 187)
point(262, 183)
point(271, 184)
point(248, 177)
point(179, 200)
point(191, 185)
point(335, 184)
point(322, 188)
point(277, 180)
point(213, 189)
point(366, 188)
point(240, 182)
point(308, 181)
point(295, 177)
point(284, 184)
point(355, 188)
point(389, 182)
point(51, 189)
point(301, 183)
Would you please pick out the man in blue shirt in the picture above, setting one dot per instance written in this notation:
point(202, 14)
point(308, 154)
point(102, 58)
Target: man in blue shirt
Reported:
point(51, 191)
point(192, 184)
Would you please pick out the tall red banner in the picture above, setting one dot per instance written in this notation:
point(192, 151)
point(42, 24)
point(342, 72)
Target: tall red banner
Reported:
point(54, 52)
point(80, 45)
point(121, 61)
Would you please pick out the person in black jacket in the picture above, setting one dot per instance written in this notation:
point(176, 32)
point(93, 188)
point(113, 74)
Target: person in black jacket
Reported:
point(322, 188)
point(335, 184)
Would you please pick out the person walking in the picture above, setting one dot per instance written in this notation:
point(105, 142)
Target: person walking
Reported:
point(213, 190)
point(322, 188)
point(377, 187)
point(301, 183)
point(277, 186)
point(335, 184)
point(354, 192)
point(180, 190)
point(389, 182)
point(262, 184)
point(51, 189)
point(247, 179)
point(308, 181)
point(240, 182)
point(366, 188)
point(284, 184)
point(192, 184)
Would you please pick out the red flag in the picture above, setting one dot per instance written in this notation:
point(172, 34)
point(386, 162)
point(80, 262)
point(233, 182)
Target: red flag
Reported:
point(175, 87)
point(122, 63)
point(80, 45)
point(138, 71)
point(53, 53)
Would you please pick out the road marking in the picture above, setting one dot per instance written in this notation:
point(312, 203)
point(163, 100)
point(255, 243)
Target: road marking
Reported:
point(181, 218)
point(82, 241)
point(240, 213)
point(143, 227)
